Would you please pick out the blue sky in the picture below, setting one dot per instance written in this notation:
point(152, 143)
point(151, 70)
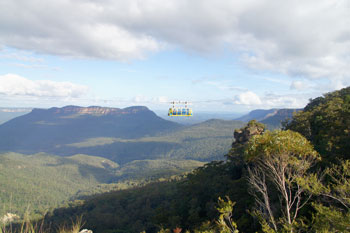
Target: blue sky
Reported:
point(224, 56)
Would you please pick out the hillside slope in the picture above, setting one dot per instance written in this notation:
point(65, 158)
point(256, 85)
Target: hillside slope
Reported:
point(40, 182)
point(206, 141)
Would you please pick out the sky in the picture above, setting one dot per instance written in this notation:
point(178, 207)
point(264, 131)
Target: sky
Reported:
point(220, 55)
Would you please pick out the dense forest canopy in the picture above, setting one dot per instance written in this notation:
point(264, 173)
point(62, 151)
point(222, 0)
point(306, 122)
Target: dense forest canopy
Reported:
point(325, 122)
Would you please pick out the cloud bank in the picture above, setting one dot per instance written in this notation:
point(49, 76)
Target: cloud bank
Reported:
point(12, 85)
point(298, 38)
point(248, 98)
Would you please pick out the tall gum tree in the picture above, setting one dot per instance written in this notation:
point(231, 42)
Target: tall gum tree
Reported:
point(277, 162)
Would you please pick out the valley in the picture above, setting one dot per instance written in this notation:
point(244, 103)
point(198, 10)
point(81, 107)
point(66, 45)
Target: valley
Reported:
point(56, 157)
point(35, 184)
point(50, 157)
point(257, 163)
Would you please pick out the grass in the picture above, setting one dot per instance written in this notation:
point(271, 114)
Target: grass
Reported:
point(26, 226)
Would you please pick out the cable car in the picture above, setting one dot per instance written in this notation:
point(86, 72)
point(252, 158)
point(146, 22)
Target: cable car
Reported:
point(180, 111)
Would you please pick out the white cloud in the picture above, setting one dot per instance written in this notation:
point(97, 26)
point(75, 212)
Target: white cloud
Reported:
point(250, 100)
point(247, 98)
point(309, 39)
point(15, 85)
point(71, 28)
point(299, 38)
point(285, 101)
point(298, 85)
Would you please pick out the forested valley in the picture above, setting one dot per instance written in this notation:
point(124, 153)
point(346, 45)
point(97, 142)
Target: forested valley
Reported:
point(292, 180)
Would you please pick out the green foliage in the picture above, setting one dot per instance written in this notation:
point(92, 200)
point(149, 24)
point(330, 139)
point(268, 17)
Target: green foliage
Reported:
point(330, 219)
point(155, 169)
point(325, 121)
point(332, 208)
point(278, 161)
point(279, 143)
point(265, 226)
point(184, 203)
point(338, 186)
point(38, 183)
point(225, 223)
point(255, 124)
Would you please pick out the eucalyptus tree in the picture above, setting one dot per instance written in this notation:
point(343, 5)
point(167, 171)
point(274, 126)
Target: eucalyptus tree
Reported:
point(278, 162)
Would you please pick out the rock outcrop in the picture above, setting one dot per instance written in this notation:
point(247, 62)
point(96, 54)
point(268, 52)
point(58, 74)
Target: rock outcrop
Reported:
point(243, 135)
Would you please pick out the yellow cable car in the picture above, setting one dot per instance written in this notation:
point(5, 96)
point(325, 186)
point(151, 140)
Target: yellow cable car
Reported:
point(180, 111)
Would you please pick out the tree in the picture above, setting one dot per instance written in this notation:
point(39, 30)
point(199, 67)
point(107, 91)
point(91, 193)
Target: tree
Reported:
point(224, 223)
point(277, 161)
point(325, 122)
point(332, 208)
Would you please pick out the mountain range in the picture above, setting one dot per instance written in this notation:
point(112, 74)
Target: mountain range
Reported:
point(124, 135)
point(273, 118)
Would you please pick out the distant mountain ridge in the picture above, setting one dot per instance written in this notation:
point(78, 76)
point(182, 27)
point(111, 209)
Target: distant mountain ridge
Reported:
point(258, 114)
point(44, 129)
point(271, 117)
